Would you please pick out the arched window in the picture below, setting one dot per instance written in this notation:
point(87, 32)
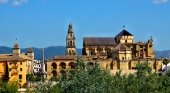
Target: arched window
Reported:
point(63, 65)
point(71, 43)
point(63, 72)
point(72, 65)
point(125, 41)
point(68, 43)
point(54, 73)
point(54, 65)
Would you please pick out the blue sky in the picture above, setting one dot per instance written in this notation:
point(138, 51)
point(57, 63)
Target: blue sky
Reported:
point(43, 23)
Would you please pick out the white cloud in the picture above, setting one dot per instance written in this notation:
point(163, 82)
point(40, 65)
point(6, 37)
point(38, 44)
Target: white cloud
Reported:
point(3, 1)
point(159, 1)
point(19, 2)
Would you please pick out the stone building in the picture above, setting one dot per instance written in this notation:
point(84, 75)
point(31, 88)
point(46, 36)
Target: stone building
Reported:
point(59, 64)
point(107, 45)
point(113, 53)
point(30, 64)
point(70, 42)
point(13, 67)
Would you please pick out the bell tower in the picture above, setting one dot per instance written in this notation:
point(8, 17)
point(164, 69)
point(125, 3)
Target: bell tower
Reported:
point(70, 42)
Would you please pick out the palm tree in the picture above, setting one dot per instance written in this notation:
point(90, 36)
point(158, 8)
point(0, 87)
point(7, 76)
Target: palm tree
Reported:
point(165, 62)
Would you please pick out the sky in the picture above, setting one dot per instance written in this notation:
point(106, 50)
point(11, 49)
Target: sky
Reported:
point(43, 23)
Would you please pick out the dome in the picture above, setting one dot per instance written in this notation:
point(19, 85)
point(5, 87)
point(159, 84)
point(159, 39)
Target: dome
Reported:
point(30, 50)
point(16, 46)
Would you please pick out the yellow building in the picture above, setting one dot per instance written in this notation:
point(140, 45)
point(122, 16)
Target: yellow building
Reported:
point(13, 66)
point(60, 65)
point(119, 53)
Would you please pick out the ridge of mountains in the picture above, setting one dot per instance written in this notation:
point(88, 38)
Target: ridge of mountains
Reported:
point(51, 51)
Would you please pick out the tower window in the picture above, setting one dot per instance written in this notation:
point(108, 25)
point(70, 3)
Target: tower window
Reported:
point(71, 43)
point(125, 41)
point(68, 43)
point(20, 76)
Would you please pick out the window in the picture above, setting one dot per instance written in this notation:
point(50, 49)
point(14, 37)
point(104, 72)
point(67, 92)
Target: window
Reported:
point(9, 63)
point(125, 41)
point(20, 76)
point(68, 43)
point(20, 69)
point(71, 43)
point(9, 69)
point(20, 63)
point(123, 58)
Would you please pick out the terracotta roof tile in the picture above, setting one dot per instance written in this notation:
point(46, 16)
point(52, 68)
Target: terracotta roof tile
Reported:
point(10, 57)
point(64, 57)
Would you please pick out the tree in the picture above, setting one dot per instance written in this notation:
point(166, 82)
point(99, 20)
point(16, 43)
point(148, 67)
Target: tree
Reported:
point(143, 69)
point(86, 79)
point(11, 87)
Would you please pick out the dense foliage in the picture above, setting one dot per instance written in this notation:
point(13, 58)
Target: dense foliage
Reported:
point(92, 79)
point(86, 78)
point(9, 87)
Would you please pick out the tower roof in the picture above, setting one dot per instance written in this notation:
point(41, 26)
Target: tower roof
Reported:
point(16, 46)
point(30, 50)
point(124, 33)
point(70, 28)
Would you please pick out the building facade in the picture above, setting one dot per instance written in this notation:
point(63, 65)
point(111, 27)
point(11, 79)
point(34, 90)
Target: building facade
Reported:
point(114, 53)
point(14, 66)
point(37, 67)
point(70, 42)
point(107, 45)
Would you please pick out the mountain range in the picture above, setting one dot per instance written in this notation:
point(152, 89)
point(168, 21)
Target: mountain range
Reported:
point(51, 51)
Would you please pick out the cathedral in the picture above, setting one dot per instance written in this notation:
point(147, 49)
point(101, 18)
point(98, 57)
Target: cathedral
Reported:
point(115, 53)
point(120, 47)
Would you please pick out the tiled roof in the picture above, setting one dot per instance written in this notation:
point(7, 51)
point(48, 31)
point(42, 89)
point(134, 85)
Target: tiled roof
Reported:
point(99, 41)
point(10, 57)
point(64, 57)
point(124, 33)
point(121, 46)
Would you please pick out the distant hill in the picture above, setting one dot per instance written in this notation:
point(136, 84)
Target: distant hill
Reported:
point(162, 54)
point(52, 51)
point(49, 52)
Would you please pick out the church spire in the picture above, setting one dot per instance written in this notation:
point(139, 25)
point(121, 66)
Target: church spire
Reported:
point(70, 28)
point(70, 42)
